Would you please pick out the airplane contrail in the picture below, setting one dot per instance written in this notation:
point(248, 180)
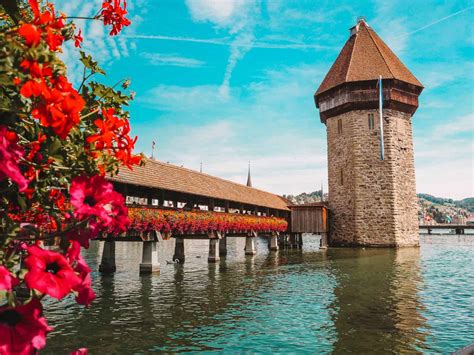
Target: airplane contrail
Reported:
point(226, 42)
point(438, 21)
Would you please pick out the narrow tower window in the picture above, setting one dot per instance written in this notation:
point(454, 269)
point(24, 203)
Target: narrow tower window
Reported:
point(339, 126)
point(341, 177)
point(371, 121)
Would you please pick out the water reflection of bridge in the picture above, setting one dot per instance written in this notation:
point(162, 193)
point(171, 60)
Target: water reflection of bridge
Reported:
point(371, 302)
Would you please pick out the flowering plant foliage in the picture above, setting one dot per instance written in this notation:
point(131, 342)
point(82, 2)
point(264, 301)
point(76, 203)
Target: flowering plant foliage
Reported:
point(57, 142)
point(176, 221)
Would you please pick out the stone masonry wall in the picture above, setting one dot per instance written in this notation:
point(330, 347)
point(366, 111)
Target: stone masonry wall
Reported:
point(376, 203)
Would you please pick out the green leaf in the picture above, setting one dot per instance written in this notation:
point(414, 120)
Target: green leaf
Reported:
point(54, 146)
point(22, 202)
point(91, 64)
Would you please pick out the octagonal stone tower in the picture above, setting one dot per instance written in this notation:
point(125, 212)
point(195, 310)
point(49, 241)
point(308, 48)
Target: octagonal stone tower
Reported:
point(372, 200)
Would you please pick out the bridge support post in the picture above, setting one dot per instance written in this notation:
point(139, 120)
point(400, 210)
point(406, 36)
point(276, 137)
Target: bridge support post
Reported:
point(323, 243)
point(274, 242)
point(107, 264)
point(250, 244)
point(213, 250)
point(149, 262)
point(223, 246)
point(179, 250)
point(293, 243)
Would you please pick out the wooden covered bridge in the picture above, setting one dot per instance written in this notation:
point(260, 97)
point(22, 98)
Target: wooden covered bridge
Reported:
point(166, 201)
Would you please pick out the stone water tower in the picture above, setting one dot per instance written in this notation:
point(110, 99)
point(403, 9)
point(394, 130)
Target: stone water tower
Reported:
point(372, 193)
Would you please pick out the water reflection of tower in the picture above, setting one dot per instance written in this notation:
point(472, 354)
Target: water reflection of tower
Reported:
point(376, 307)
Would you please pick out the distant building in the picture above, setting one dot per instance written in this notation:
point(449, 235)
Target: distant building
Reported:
point(372, 201)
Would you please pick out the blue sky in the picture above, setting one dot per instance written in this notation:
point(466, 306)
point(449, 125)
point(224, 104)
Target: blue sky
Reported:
point(231, 81)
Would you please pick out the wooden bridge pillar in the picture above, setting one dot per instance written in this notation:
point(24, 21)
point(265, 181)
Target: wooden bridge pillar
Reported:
point(179, 250)
point(323, 243)
point(293, 240)
point(149, 262)
point(107, 264)
point(213, 250)
point(250, 244)
point(223, 246)
point(274, 242)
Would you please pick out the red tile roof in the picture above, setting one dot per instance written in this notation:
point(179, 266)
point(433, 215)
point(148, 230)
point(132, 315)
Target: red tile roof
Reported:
point(364, 57)
point(165, 176)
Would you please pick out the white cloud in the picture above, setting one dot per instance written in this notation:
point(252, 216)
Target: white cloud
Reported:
point(219, 12)
point(463, 124)
point(237, 52)
point(172, 60)
point(444, 159)
point(238, 17)
point(179, 99)
point(97, 41)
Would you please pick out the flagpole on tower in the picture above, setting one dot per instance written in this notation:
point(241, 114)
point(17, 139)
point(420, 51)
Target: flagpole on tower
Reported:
point(153, 150)
point(382, 155)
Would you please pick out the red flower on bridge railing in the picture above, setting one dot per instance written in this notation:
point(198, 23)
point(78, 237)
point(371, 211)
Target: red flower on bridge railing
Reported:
point(180, 222)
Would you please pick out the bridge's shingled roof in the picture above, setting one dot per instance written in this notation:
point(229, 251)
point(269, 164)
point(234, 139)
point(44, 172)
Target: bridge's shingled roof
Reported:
point(364, 57)
point(156, 174)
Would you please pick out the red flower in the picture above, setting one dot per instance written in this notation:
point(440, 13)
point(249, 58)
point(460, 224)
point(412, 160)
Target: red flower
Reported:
point(60, 107)
point(23, 328)
point(34, 6)
point(10, 153)
point(113, 14)
point(78, 39)
point(31, 34)
point(94, 196)
point(80, 351)
point(45, 24)
point(49, 272)
point(7, 281)
point(113, 137)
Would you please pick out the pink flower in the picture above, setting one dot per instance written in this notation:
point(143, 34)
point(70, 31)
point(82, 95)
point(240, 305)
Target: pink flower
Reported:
point(10, 154)
point(84, 293)
point(49, 272)
point(23, 328)
point(7, 281)
point(94, 196)
point(80, 351)
point(83, 235)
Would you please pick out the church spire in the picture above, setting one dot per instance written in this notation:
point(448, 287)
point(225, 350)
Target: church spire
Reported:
point(249, 179)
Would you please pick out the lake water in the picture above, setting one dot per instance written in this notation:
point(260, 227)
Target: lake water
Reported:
point(339, 300)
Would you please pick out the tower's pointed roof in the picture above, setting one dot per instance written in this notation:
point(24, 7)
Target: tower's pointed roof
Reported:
point(364, 57)
point(249, 179)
